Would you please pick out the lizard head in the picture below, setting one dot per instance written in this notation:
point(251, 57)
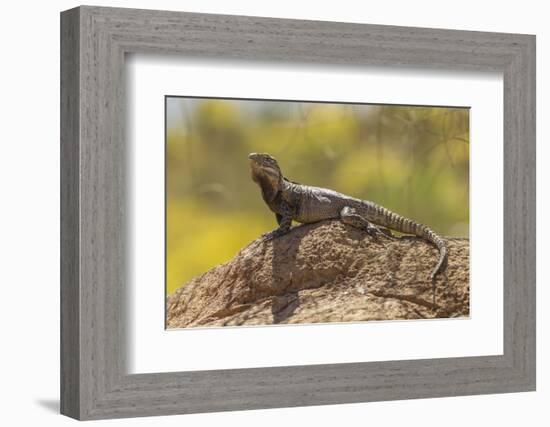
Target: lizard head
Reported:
point(264, 167)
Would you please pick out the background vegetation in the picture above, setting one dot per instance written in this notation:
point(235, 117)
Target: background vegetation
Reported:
point(413, 160)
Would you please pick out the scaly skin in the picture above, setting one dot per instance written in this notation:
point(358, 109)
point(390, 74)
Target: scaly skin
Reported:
point(305, 204)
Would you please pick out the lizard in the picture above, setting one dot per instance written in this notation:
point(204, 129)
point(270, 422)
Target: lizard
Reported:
point(306, 204)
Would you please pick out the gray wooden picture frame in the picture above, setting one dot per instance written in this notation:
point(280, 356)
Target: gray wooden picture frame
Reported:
point(94, 381)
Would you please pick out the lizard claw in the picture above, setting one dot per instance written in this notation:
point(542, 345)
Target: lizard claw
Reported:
point(270, 235)
point(373, 231)
point(386, 232)
point(267, 236)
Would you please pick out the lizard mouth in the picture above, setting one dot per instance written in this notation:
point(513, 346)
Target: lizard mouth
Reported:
point(256, 158)
point(262, 159)
point(265, 163)
point(257, 161)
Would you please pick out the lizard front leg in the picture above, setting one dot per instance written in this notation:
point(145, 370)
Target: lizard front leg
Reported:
point(284, 219)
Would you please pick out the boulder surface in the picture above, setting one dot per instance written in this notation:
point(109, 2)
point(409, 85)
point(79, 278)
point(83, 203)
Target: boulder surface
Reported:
point(326, 272)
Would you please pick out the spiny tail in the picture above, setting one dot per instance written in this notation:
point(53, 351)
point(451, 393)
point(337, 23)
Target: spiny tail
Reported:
point(386, 218)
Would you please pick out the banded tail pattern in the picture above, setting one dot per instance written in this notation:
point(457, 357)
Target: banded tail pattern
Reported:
point(386, 218)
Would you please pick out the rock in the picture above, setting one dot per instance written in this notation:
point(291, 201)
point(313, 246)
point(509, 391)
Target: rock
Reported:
point(326, 272)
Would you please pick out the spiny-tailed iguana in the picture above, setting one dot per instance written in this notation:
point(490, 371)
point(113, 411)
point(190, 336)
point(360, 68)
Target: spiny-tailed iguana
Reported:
point(305, 204)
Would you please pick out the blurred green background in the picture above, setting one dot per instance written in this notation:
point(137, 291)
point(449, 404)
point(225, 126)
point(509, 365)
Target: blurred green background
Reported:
point(412, 160)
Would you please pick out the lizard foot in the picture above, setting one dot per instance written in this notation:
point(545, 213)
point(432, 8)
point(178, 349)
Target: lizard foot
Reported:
point(270, 235)
point(373, 231)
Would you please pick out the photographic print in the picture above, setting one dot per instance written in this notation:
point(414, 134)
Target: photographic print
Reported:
point(299, 212)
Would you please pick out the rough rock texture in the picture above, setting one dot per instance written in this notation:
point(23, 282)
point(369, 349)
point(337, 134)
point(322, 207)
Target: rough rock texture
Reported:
point(326, 272)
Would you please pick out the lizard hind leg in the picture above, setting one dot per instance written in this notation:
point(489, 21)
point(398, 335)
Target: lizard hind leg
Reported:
point(351, 217)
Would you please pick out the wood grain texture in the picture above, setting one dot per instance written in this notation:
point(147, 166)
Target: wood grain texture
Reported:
point(94, 197)
point(70, 291)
